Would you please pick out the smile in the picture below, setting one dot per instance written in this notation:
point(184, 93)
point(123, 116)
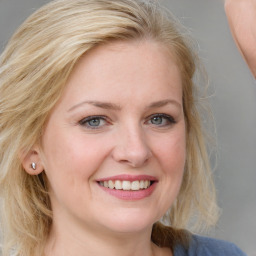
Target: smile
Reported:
point(128, 187)
point(126, 184)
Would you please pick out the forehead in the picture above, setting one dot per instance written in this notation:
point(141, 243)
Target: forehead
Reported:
point(140, 54)
point(145, 46)
point(118, 68)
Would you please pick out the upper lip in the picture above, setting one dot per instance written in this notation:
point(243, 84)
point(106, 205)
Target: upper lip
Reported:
point(128, 177)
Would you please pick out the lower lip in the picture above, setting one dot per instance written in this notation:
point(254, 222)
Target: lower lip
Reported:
point(130, 195)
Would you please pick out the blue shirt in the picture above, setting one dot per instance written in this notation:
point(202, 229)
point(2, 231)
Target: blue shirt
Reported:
point(204, 246)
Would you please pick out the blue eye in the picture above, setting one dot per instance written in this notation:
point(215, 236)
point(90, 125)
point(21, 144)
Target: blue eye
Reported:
point(161, 120)
point(93, 122)
point(157, 120)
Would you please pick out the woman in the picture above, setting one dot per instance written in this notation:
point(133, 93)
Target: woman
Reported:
point(101, 136)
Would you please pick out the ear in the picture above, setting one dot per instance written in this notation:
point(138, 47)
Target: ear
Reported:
point(32, 163)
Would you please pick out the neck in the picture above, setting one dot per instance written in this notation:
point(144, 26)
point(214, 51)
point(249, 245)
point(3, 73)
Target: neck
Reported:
point(77, 242)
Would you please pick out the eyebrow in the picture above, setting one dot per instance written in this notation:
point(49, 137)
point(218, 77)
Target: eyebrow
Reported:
point(163, 103)
point(99, 104)
point(112, 106)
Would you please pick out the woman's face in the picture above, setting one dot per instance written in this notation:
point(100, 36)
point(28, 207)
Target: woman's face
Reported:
point(114, 146)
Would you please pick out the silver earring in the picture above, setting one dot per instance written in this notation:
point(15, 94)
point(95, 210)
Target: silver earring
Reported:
point(33, 166)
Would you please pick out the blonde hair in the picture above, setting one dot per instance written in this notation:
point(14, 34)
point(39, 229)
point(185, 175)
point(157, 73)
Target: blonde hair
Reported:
point(33, 71)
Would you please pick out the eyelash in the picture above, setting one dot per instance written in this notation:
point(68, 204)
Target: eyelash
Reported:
point(85, 121)
point(170, 120)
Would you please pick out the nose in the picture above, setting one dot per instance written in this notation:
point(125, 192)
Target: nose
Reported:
point(132, 148)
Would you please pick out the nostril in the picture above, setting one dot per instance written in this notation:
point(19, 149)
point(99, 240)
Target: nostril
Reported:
point(133, 151)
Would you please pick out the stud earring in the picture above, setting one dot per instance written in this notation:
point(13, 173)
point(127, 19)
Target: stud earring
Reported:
point(33, 166)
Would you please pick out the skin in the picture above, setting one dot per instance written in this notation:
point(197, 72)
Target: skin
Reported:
point(241, 16)
point(130, 140)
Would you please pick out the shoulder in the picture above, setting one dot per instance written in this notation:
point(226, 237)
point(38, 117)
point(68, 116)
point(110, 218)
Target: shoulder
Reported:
point(205, 246)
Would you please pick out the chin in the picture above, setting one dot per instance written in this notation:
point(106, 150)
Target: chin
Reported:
point(130, 222)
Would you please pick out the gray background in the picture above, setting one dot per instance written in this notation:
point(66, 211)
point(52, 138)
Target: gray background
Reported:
point(233, 103)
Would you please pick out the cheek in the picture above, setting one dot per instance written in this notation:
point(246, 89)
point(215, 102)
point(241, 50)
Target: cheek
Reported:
point(70, 155)
point(171, 153)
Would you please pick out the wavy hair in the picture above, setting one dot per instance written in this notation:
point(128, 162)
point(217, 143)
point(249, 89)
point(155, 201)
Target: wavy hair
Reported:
point(34, 69)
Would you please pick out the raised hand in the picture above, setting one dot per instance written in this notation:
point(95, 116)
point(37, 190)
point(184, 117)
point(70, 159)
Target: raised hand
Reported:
point(241, 16)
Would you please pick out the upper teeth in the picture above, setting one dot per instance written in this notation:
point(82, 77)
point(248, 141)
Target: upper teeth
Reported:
point(125, 184)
